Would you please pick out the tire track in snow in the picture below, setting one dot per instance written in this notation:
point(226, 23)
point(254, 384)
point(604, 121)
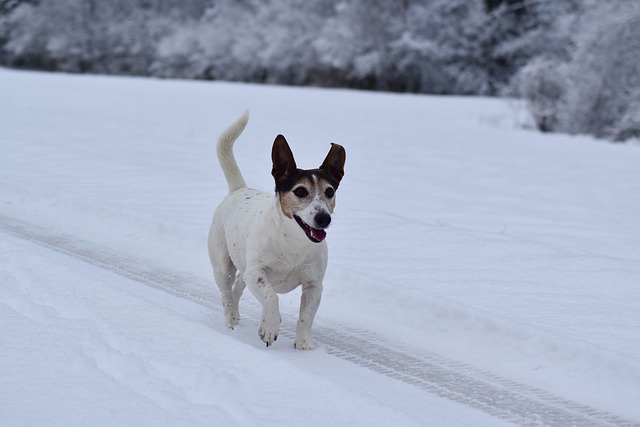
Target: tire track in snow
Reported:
point(500, 397)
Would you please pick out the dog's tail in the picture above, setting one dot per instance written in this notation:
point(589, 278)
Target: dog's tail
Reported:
point(232, 173)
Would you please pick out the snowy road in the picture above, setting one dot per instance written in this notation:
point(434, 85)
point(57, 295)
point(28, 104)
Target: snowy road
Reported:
point(499, 397)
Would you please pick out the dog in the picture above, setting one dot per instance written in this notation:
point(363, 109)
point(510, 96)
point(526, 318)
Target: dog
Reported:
point(273, 244)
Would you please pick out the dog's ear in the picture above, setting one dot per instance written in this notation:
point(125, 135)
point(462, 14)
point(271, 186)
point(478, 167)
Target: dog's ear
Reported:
point(334, 162)
point(283, 162)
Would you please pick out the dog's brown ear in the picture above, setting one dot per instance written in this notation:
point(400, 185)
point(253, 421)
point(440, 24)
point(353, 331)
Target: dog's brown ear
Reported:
point(283, 162)
point(334, 162)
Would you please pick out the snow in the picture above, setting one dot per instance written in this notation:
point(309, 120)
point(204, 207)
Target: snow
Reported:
point(95, 349)
point(457, 232)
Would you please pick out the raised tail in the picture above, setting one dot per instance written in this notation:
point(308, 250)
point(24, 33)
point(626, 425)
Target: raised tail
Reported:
point(232, 173)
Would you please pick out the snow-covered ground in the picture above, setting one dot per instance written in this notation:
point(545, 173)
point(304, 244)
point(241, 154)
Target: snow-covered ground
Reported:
point(508, 256)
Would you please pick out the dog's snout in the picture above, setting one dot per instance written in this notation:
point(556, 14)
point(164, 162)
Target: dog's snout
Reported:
point(323, 219)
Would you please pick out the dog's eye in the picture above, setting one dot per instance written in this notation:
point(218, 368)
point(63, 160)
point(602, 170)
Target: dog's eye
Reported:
point(329, 192)
point(301, 192)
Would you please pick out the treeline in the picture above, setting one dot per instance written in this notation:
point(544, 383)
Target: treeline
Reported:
point(577, 62)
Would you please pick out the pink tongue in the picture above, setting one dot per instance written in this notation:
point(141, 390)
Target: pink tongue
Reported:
point(319, 235)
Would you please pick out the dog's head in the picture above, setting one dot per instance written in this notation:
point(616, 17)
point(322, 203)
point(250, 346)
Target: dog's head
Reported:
point(307, 195)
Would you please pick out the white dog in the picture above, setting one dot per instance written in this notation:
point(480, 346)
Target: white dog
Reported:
point(273, 244)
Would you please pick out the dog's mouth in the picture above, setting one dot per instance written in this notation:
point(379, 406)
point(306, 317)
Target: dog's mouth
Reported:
point(316, 235)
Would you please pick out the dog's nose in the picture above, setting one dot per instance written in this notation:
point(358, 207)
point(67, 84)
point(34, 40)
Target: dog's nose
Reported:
point(323, 219)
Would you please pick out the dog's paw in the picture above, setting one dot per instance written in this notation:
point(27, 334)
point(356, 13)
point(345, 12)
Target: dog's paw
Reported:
point(232, 319)
point(268, 337)
point(232, 322)
point(268, 331)
point(304, 344)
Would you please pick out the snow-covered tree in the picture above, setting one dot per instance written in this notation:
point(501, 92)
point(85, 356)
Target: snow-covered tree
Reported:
point(543, 85)
point(596, 90)
point(575, 61)
point(604, 73)
point(355, 42)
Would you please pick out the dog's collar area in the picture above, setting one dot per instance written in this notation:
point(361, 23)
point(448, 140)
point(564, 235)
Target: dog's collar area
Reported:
point(316, 235)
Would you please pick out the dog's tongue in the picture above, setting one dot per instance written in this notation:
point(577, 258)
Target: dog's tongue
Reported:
point(318, 234)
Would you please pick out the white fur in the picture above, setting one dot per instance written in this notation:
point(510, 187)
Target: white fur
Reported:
point(253, 244)
point(224, 150)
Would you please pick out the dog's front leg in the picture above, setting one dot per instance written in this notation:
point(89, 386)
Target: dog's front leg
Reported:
point(258, 284)
point(309, 303)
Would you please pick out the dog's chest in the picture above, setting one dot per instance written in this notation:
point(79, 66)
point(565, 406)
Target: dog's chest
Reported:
point(283, 280)
point(286, 269)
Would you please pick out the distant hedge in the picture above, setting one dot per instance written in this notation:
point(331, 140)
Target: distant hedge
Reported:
point(575, 61)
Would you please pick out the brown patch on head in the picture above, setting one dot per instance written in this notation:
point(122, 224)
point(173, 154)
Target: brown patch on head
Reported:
point(290, 203)
point(316, 186)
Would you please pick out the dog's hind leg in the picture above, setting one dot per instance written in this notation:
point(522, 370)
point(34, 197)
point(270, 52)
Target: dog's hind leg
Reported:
point(238, 289)
point(224, 273)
